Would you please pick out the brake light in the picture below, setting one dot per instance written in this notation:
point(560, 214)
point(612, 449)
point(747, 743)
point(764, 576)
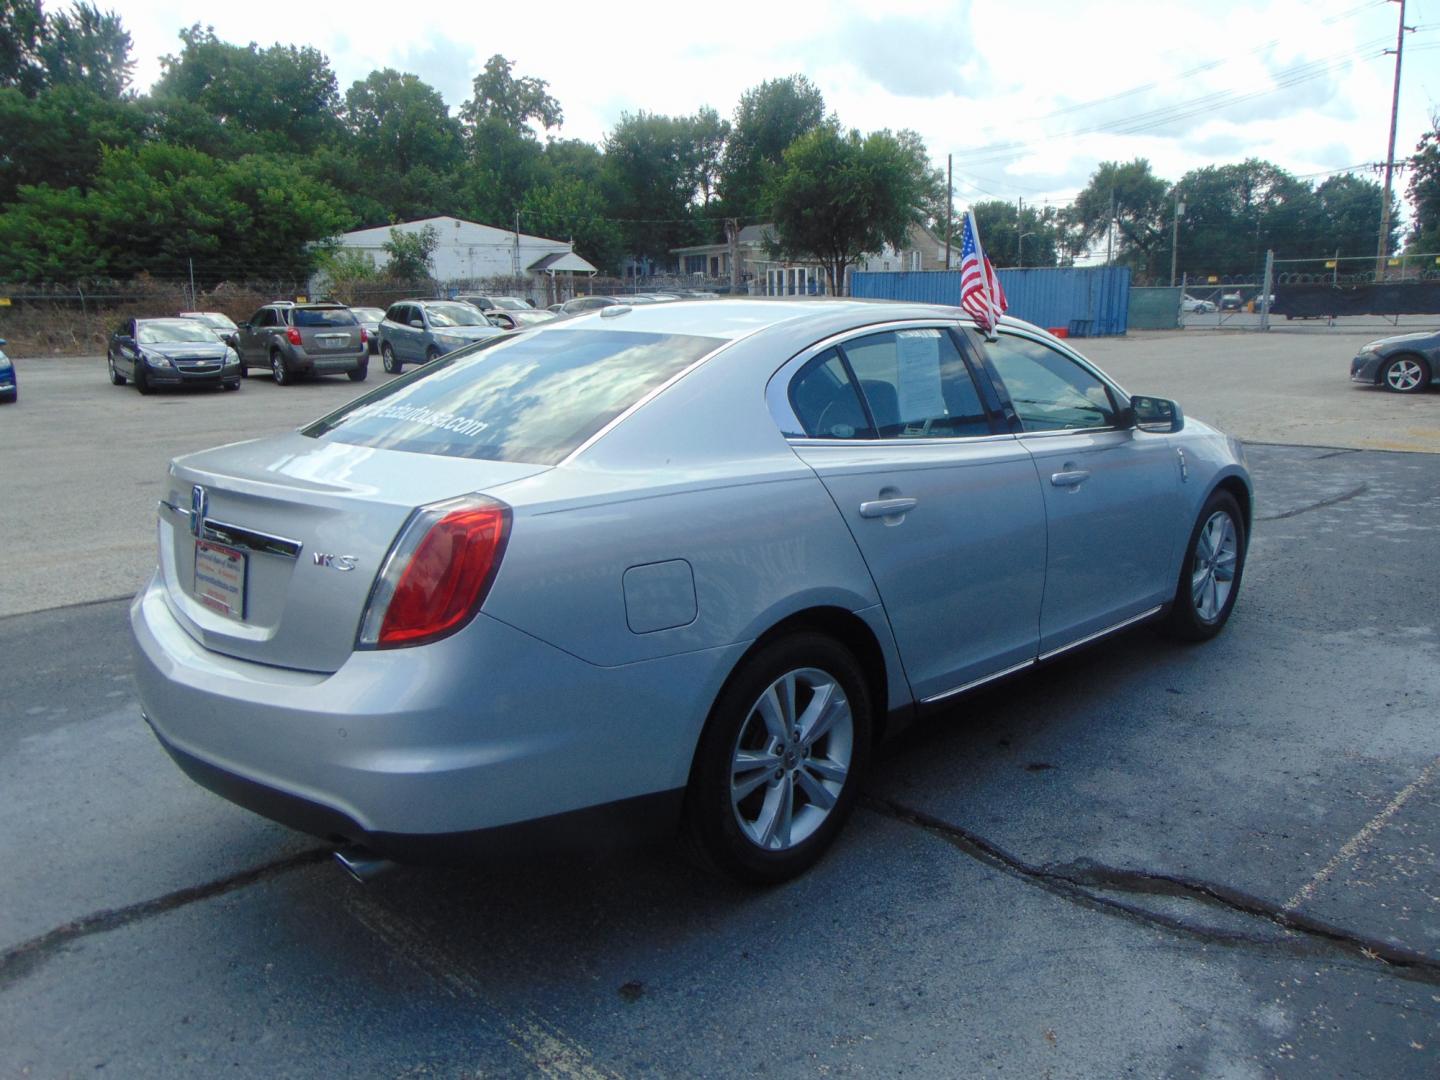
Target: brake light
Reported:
point(364, 337)
point(437, 574)
point(293, 336)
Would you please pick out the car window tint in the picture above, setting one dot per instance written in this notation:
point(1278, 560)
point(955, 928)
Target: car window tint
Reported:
point(533, 397)
point(825, 400)
point(324, 317)
point(1050, 391)
point(916, 384)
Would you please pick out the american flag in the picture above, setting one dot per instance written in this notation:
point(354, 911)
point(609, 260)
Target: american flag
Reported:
point(980, 293)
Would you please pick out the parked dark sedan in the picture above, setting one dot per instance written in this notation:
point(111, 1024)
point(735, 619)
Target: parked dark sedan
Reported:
point(1403, 364)
point(170, 352)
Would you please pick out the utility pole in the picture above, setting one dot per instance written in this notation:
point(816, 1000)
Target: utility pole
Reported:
point(1110, 233)
point(1019, 228)
point(516, 270)
point(949, 202)
point(1175, 239)
point(1383, 246)
point(732, 230)
point(193, 302)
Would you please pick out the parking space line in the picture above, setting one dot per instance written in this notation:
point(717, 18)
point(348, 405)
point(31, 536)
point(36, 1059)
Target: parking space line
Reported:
point(547, 1050)
point(1361, 839)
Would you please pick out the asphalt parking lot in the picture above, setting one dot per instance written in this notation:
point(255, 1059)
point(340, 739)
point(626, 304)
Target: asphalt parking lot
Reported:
point(1148, 860)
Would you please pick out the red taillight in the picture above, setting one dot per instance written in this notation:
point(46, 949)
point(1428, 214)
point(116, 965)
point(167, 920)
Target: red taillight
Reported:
point(293, 336)
point(364, 336)
point(438, 573)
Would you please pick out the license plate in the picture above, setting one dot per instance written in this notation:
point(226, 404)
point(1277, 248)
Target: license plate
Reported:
point(333, 341)
point(220, 578)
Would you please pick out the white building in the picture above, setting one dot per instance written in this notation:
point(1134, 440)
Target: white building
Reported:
point(472, 253)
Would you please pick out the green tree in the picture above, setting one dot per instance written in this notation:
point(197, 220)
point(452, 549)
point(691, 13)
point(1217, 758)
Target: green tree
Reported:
point(498, 95)
point(57, 137)
point(1002, 224)
point(768, 119)
point(48, 235)
point(1234, 213)
point(708, 135)
point(22, 24)
point(841, 196)
point(1350, 206)
point(571, 208)
point(1139, 200)
point(412, 254)
point(650, 182)
point(399, 123)
point(86, 47)
point(280, 98)
point(1424, 190)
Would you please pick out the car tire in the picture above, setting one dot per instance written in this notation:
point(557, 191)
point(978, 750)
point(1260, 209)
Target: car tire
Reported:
point(432, 354)
point(1210, 574)
point(142, 380)
point(389, 361)
point(280, 370)
point(1405, 374)
point(359, 373)
point(244, 371)
point(11, 398)
point(756, 807)
point(116, 379)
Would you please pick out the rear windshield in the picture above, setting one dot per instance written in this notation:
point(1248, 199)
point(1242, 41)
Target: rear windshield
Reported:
point(322, 317)
point(533, 397)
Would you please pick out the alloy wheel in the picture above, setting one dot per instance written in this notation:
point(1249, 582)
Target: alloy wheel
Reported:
point(1212, 574)
point(791, 759)
point(1404, 375)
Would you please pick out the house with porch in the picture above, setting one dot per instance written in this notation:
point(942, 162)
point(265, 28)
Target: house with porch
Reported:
point(761, 274)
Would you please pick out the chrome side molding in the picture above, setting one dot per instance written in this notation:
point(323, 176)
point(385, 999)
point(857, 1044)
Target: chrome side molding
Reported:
point(1043, 656)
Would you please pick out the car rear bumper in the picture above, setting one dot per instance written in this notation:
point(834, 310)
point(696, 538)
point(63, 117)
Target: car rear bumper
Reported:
point(327, 363)
point(490, 727)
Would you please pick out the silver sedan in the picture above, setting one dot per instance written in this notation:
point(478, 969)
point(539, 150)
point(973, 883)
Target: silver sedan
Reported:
point(674, 565)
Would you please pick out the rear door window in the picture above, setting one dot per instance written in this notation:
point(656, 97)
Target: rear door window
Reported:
point(535, 397)
point(825, 401)
point(916, 384)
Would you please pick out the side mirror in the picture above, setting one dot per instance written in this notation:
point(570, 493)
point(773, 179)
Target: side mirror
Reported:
point(1156, 414)
point(417, 324)
point(243, 326)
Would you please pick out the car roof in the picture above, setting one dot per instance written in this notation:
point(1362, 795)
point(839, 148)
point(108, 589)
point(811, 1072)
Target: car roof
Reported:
point(736, 318)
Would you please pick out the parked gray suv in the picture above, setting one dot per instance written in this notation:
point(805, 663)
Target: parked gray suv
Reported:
point(418, 331)
point(296, 340)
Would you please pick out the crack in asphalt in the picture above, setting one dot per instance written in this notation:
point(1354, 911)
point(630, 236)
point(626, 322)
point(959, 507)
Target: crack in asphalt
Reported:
point(1078, 881)
point(1344, 497)
point(19, 960)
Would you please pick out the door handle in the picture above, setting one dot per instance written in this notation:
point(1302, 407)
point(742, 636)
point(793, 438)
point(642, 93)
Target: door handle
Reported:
point(1070, 477)
point(879, 508)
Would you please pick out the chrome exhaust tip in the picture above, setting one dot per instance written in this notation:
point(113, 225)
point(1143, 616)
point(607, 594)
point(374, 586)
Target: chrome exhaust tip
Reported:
point(361, 863)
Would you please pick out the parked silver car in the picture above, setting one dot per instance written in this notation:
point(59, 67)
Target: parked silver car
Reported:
point(663, 564)
point(369, 318)
point(418, 331)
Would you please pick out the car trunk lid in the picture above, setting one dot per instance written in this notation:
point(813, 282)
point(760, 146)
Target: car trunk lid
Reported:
point(269, 549)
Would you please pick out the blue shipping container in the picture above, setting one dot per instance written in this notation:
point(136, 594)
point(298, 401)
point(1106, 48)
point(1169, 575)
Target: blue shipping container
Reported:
point(1083, 301)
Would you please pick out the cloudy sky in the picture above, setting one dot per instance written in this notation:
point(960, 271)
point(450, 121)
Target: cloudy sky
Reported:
point(1028, 94)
